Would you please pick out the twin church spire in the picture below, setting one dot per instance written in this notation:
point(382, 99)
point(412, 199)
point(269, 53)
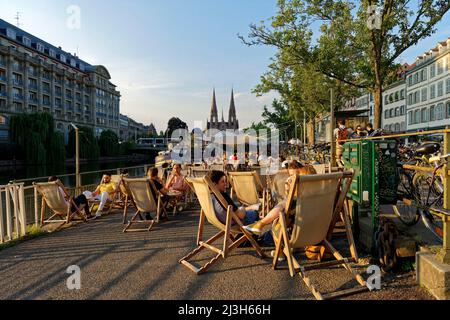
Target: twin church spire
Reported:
point(214, 122)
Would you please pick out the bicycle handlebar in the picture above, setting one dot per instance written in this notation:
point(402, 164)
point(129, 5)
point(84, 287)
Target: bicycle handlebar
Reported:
point(439, 158)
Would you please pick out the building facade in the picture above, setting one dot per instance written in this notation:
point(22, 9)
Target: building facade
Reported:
point(428, 90)
point(132, 130)
point(214, 123)
point(36, 76)
point(394, 107)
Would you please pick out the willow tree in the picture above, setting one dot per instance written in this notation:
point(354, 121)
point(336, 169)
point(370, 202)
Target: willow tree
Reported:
point(37, 139)
point(355, 42)
point(89, 148)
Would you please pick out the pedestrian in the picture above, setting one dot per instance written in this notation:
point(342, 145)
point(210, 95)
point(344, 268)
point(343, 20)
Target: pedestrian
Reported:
point(341, 134)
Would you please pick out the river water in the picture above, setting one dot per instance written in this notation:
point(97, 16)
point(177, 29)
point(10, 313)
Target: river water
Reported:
point(28, 172)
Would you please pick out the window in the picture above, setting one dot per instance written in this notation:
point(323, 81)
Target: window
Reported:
point(409, 81)
point(432, 70)
point(26, 41)
point(410, 99)
point(440, 111)
point(40, 47)
point(424, 94)
point(447, 86)
point(397, 127)
point(62, 58)
point(52, 53)
point(417, 116)
point(448, 109)
point(402, 94)
point(397, 112)
point(386, 100)
point(424, 74)
point(432, 91)
point(11, 34)
point(391, 113)
point(424, 115)
point(417, 96)
point(440, 68)
point(402, 110)
point(432, 114)
point(410, 118)
point(396, 96)
point(416, 78)
point(403, 126)
point(440, 88)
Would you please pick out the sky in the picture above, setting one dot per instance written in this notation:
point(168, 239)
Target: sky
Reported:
point(165, 56)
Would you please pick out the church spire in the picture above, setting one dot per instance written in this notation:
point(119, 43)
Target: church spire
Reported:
point(232, 112)
point(214, 113)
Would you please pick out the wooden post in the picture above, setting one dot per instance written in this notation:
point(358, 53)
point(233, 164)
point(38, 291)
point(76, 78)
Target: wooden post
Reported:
point(444, 254)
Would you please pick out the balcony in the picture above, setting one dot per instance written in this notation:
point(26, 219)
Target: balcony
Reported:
point(33, 73)
point(46, 90)
point(47, 76)
point(3, 63)
point(69, 108)
point(32, 86)
point(58, 93)
point(17, 97)
point(33, 100)
point(3, 94)
point(17, 68)
point(17, 82)
point(3, 78)
point(46, 103)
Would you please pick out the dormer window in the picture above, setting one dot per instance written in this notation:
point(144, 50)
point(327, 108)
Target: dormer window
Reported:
point(40, 47)
point(10, 33)
point(62, 58)
point(52, 53)
point(26, 41)
point(73, 63)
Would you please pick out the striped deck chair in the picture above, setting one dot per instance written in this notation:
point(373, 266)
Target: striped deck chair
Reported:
point(247, 186)
point(205, 190)
point(141, 192)
point(315, 211)
point(52, 197)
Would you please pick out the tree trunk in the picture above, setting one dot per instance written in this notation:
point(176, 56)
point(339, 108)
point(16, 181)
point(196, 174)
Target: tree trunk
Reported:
point(311, 131)
point(378, 105)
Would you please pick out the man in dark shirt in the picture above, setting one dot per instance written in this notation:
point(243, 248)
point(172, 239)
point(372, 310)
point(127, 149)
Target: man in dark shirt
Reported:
point(152, 173)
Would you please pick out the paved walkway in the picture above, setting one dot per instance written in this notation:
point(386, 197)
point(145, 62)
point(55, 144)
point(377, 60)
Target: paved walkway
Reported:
point(144, 266)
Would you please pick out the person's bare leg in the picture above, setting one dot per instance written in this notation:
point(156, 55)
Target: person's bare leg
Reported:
point(271, 216)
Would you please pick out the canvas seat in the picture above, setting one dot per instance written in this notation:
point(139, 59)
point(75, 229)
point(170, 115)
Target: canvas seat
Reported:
point(319, 205)
point(141, 192)
point(52, 198)
point(232, 231)
point(247, 186)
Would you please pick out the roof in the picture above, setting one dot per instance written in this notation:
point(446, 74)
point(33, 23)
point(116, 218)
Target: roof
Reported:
point(21, 33)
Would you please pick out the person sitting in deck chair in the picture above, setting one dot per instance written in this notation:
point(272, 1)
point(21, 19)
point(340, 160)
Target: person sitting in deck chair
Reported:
point(247, 215)
point(104, 193)
point(152, 173)
point(79, 201)
point(176, 180)
point(264, 225)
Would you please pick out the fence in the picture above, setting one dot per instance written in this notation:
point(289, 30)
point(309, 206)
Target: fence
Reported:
point(13, 220)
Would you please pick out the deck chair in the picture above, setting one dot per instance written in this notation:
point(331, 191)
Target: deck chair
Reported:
point(247, 186)
point(126, 199)
point(278, 185)
point(205, 190)
point(52, 197)
point(141, 192)
point(199, 173)
point(110, 204)
point(314, 214)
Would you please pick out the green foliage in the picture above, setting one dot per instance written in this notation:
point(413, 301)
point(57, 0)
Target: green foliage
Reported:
point(109, 144)
point(89, 148)
point(36, 138)
point(346, 51)
point(127, 147)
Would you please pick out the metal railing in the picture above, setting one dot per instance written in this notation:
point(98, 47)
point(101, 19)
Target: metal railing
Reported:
point(20, 203)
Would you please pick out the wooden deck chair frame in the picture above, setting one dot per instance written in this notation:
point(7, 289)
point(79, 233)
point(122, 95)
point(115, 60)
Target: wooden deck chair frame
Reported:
point(156, 204)
point(283, 241)
point(64, 212)
point(252, 195)
point(228, 232)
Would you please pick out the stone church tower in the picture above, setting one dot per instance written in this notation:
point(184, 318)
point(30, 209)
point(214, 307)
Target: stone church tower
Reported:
point(214, 123)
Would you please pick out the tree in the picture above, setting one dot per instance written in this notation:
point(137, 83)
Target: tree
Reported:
point(109, 144)
point(36, 138)
point(174, 124)
point(89, 148)
point(357, 44)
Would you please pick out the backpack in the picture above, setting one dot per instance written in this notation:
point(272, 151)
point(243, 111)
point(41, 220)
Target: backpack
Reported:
point(342, 135)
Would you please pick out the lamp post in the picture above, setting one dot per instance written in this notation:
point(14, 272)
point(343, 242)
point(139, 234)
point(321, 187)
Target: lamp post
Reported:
point(332, 140)
point(77, 160)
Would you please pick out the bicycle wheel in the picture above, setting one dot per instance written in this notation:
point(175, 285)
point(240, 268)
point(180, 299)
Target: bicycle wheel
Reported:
point(428, 192)
point(407, 212)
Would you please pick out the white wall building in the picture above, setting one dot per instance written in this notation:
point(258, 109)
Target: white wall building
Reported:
point(393, 117)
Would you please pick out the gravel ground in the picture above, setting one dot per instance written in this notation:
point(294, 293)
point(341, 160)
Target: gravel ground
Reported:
point(144, 266)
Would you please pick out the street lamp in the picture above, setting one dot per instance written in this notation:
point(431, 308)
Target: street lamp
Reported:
point(77, 160)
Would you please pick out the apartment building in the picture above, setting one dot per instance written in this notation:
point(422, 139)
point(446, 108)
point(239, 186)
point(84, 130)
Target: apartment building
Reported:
point(394, 107)
point(428, 90)
point(36, 76)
